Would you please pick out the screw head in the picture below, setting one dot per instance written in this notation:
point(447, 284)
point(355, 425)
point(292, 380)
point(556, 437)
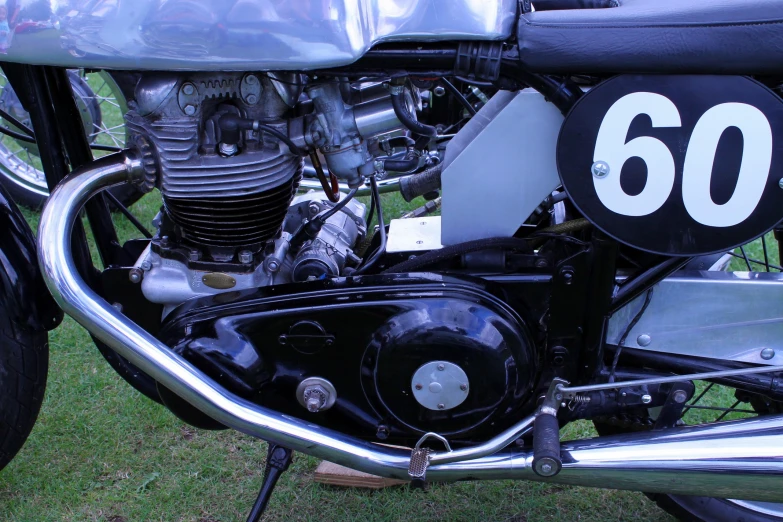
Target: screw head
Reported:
point(418, 386)
point(252, 99)
point(382, 432)
point(188, 89)
point(546, 468)
point(135, 275)
point(441, 367)
point(780, 183)
point(273, 265)
point(117, 306)
point(646, 399)
point(146, 266)
point(463, 387)
point(439, 91)
point(245, 256)
point(190, 110)
point(314, 209)
point(600, 169)
point(680, 396)
point(250, 79)
point(441, 406)
point(644, 340)
point(767, 354)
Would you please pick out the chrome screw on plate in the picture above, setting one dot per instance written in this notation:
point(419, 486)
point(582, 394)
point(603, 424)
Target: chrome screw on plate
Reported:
point(600, 169)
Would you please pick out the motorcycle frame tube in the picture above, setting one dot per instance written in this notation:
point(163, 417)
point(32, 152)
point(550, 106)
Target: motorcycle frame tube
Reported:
point(741, 459)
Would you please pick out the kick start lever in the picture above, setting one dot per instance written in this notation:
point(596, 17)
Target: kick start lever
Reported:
point(546, 433)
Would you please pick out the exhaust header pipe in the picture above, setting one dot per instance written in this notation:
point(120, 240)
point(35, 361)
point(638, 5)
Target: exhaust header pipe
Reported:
point(741, 459)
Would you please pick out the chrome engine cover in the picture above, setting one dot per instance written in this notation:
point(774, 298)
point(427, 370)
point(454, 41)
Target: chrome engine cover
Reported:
point(222, 35)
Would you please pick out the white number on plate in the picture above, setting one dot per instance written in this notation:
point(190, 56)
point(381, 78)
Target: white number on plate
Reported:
point(699, 158)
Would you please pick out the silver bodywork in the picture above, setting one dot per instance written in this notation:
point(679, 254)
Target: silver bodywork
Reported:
point(253, 35)
point(741, 459)
point(735, 316)
point(511, 141)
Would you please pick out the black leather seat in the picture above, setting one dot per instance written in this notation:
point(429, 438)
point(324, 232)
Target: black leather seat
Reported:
point(682, 36)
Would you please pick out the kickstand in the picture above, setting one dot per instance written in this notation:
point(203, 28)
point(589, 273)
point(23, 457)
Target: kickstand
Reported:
point(277, 461)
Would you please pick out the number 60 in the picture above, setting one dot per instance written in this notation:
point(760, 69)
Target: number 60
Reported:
point(611, 148)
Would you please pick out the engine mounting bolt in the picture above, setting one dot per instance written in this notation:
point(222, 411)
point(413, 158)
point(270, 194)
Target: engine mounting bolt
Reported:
point(439, 91)
point(245, 257)
point(680, 396)
point(188, 89)
point(419, 386)
point(146, 266)
point(600, 169)
point(646, 399)
point(441, 406)
point(190, 110)
point(767, 354)
point(644, 340)
point(135, 275)
point(463, 387)
point(441, 367)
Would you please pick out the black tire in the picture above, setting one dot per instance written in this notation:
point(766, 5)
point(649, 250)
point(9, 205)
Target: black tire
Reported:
point(24, 362)
point(703, 509)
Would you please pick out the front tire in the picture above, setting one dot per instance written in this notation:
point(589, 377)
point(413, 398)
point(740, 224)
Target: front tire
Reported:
point(24, 361)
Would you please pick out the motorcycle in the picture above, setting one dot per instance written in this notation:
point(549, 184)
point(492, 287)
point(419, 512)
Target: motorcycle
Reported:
point(595, 163)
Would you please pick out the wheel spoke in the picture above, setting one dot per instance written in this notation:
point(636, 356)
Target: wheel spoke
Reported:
point(728, 410)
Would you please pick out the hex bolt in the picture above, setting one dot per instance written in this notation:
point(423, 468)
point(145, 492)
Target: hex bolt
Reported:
point(418, 386)
point(194, 255)
point(441, 367)
point(600, 169)
point(245, 257)
point(546, 469)
point(680, 396)
point(190, 110)
point(439, 91)
point(188, 89)
point(273, 265)
point(135, 275)
point(441, 406)
point(767, 354)
point(644, 340)
point(146, 266)
point(646, 399)
point(382, 432)
point(314, 209)
point(164, 241)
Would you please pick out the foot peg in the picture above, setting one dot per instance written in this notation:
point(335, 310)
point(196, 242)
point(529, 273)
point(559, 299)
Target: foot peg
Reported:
point(546, 433)
point(420, 459)
point(278, 459)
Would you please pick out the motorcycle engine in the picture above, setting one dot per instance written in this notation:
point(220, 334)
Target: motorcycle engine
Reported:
point(386, 357)
point(228, 149)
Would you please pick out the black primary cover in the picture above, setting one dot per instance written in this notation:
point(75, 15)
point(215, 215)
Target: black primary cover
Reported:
point(675, 228)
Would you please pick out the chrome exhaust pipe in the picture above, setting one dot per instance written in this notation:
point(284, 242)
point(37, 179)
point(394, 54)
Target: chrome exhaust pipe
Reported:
point(740, 459)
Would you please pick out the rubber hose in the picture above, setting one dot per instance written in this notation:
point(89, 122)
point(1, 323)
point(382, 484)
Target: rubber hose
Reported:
point(405, 117)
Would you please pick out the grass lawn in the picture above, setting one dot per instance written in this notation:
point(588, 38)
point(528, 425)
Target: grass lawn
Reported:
point(102, 452)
